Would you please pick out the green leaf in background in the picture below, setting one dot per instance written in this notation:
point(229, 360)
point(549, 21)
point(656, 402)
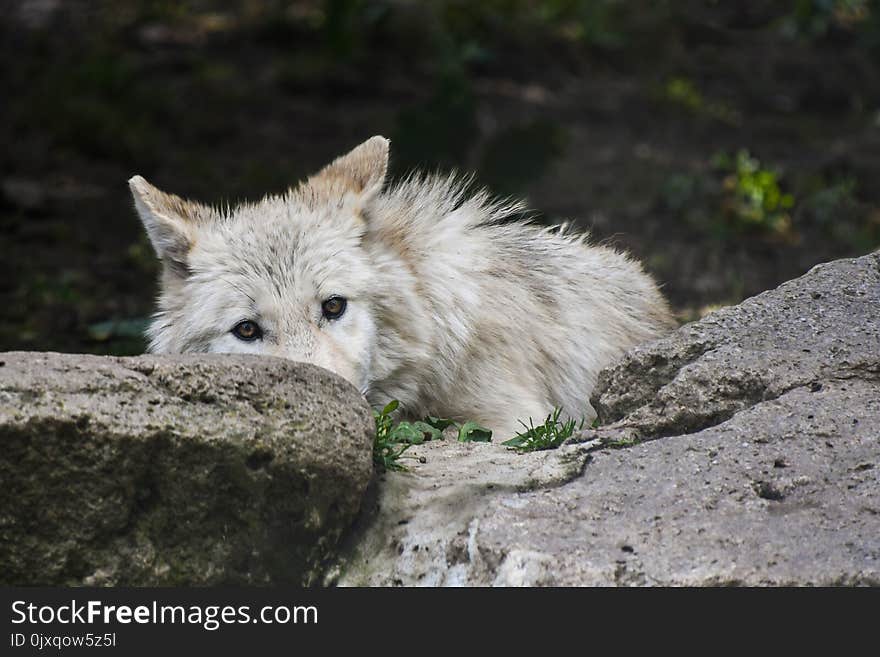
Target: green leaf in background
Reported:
point(392, 440)
point(439, 423)
point(406, 432)
point(473, 432)
point(517, 440)
point(429, 431)
point(390, 443)
point(119, 328)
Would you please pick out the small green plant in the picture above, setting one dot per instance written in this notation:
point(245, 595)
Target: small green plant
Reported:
point(753, 197)
point(394, 438)
point(388, 445)
point(469, 432)
point(549, 435)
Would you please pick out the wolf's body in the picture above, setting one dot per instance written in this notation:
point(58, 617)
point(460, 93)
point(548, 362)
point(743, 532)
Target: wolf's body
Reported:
point(447, 307)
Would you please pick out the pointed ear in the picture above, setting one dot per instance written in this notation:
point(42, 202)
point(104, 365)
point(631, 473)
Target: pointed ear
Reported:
point(170, 222)
point(360, 172)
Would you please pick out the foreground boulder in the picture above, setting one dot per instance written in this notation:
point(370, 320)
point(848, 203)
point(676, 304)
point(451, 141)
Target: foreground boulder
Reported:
point(184, 470)
point(742, 449)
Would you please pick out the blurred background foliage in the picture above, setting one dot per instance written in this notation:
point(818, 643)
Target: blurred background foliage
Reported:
point(730, 145)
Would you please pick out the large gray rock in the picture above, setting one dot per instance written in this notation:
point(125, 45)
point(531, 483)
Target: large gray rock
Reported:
point(823, 326)
point(184, 470)
point(742, 449)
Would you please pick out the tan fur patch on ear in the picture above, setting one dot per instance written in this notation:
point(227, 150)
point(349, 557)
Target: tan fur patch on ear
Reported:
point(169, 220)
point(360, 171)
point(163, 204)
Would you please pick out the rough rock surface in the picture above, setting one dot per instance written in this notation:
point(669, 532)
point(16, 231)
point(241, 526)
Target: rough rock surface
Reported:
point(742, 449)
point(184, 470)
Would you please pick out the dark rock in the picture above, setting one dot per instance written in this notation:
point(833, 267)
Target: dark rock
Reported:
point(175, 470)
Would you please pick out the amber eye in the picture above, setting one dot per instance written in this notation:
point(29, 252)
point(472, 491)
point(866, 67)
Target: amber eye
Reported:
point(334, 307)
point(247, 331)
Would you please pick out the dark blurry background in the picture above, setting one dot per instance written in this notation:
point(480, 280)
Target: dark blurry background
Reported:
point(731, 145)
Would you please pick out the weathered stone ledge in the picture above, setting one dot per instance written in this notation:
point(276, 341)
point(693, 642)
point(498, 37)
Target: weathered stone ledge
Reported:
point(188, 470)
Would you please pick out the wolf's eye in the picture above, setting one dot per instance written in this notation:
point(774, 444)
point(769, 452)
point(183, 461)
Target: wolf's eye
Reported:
point(247, 331)
point(334, 307)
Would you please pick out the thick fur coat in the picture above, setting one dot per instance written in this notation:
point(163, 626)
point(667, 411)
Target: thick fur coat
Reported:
point(447, 305)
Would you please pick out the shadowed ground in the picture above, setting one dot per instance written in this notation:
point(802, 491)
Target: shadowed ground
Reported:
point(730, 145)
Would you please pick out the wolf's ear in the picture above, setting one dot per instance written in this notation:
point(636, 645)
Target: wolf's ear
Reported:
point(170, 222)
point(361, 172)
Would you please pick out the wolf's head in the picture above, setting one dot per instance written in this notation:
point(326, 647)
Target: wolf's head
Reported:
point(288, 276)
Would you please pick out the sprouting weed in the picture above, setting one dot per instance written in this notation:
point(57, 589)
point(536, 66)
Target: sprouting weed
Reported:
point(393, 439)
point(549, 435)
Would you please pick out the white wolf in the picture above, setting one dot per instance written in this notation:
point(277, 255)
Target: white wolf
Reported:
point(420, 292)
